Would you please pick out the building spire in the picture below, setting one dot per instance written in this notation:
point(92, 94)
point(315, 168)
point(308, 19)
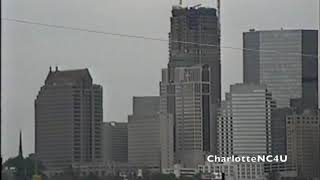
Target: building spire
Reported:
point(20, 145)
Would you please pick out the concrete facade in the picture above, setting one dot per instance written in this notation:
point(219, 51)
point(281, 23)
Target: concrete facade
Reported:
point(144, 133)
point(244, 121)
point(303, 144)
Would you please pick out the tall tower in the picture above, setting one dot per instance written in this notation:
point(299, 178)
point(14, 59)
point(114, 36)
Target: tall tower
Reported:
point(195, 39)
point(194, 42)
point(68, 119)
point(193, 121)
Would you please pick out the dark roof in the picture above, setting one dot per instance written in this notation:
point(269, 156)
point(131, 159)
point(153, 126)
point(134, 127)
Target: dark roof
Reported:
point(68, 75)
point(194, 12)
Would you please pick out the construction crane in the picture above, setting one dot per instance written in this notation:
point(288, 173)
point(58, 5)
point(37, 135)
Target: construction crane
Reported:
point(219, 17)
point(218, 6)
point(196, 6)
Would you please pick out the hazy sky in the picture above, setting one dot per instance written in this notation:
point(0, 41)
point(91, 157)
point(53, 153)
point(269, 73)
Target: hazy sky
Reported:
point(124, 67)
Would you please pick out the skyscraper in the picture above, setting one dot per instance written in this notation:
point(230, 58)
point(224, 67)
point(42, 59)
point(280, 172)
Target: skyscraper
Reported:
point(195, 39)
point(193, 121)
point(68, 119)
point(115, 141)
point(192, 29)
point(244, 123)
point(144, 133)
point(286, 61)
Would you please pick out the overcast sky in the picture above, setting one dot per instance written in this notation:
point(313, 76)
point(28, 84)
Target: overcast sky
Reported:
point(124, 67)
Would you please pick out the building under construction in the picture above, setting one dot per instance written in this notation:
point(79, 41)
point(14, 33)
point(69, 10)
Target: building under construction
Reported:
point(194, 41)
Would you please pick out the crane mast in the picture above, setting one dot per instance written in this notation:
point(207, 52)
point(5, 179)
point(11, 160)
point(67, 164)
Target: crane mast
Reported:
point(219, 17)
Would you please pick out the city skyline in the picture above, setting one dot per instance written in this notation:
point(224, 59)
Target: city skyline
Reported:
point(108, 88)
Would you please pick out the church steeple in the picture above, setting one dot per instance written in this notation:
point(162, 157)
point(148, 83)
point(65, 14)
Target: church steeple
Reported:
point(20, 145)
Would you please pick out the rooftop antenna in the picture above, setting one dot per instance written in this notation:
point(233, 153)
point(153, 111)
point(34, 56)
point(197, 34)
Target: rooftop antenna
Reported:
point(219, 18)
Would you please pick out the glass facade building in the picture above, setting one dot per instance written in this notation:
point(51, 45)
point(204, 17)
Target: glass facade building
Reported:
point(286, 61)
point(191, 27)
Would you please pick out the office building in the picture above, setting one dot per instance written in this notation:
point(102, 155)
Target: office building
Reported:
point(286, 61)
point(68, 119)
point(278, 130)
point(196, 25)
point(244, 121)
point(303, 143)
point(193, 121)
point(144, 133)
point(115, 141)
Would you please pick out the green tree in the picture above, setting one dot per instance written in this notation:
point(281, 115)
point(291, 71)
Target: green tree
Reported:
point(24, 167)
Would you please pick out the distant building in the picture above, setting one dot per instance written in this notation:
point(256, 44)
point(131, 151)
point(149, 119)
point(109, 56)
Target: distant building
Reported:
point(244, 121)
point(144, 133)
point(102, 169)
point(275, 58)
point(278, 130)
point(244, 171)
point(178, 171)
point(303, 144)
point(115, 141)
point(68, 119)
point(166, 137)
point(190, 94)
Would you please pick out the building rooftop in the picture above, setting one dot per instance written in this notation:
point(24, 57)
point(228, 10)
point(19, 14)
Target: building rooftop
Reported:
point(75, 75)
point(193, 11)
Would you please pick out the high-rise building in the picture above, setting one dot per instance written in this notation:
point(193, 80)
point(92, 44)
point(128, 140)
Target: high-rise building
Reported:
point(303, 143)
point(191, 92)
point(144, 133)
point(286, 61)
point(194, 41)
point(200, 27)
point(68, 119)
point(244, 122)
point(115, 141)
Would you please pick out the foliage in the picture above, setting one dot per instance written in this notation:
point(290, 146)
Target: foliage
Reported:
point(24, 167)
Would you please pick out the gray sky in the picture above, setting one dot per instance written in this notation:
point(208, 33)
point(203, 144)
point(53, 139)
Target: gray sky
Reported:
point(124, 67)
